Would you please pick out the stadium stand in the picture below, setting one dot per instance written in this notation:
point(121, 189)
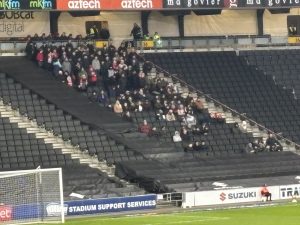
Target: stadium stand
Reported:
point(281, 65)
point(221, 136)
point(60, 123)
point(23, 150)
point(155, 162)
point(195, 174)
point(229, 79)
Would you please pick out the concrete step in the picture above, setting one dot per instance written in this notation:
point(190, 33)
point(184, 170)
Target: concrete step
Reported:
point(50, 139)
point(41, 135)
point(7, 114)
point(57, 145)
point(84, 161)
point(32, 130)
point(18, 120)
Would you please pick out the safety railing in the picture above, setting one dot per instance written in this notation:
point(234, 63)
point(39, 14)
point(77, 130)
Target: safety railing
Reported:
point(242, 116)
point(19, 46)
point(221, 42)
point(173, 43)
point(166, 43)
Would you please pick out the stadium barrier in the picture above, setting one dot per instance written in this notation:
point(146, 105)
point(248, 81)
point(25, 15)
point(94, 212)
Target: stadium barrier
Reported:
point(79, 207)
point(240, 195)
point(95, 206)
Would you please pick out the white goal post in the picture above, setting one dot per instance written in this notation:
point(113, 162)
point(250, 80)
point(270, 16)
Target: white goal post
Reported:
point(31, 196)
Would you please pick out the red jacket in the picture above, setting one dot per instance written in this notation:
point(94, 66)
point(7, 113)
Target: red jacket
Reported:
point(93, 77)
point(145, 129)
point(40, 57)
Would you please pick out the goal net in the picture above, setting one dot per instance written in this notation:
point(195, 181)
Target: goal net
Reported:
point(31, 196)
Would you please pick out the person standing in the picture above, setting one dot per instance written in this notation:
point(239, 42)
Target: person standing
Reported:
point(93, 32)
point(136, 32)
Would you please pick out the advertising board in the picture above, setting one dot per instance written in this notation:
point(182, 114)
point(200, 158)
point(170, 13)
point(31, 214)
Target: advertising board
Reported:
point(227, 196)
point(66, 5)
point(80, 207)
point(23, 23)
point(27, 4)
point(231, 4)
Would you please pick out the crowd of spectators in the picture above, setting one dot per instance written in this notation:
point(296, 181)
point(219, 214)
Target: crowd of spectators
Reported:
point(271, 144)
point(102, 34)
point(55, 37)
point(114, 78)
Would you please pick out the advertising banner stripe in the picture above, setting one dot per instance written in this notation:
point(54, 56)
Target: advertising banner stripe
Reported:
point(109, 4)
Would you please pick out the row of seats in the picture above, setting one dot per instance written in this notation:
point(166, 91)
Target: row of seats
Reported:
point(63, 124)
point(251, 93)
point(282, 65)
point(21, 150)
point(184, 174)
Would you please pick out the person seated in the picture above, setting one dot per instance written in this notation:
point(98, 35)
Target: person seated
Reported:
point(92, 76)
point(266, 193)
point(185, 135)
point(197, 104)
point(160, 116)
point(188, 148)
point(83, 80)
point(69, 80)
point(139, 107)
point(200, 146)
point(176, 137)
point(103, 98)
point(201, 130)
point(157, 104)
point(170, 116)
point(243, 126)
point(118, 107)
point(145, 128)
point(217, 117)
point(272, 144)
point(127, 116)
point(147, 105)
point(189, 120)
point(258, 145)
point(181, 111)
point(196, 146)
point(277, 147)
point(155, 132)
point(205, 128)
point(249, 148)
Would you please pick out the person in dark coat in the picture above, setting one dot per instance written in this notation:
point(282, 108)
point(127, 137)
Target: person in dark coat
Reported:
point(104, 34)
point(136, 32)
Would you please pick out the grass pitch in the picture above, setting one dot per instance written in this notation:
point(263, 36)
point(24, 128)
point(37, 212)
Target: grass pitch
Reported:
point(288, 214)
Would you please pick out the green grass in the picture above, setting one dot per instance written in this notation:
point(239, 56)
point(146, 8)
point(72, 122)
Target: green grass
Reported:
point(270, 215)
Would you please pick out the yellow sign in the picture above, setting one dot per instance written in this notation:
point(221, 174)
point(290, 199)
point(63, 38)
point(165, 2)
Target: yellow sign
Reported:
point(101, 44)
point(147, 44)
point(294, 40)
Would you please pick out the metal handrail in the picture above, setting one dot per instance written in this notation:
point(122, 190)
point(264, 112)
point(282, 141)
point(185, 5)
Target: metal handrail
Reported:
point(230, 41)
point(174, 77)
point(221, 104)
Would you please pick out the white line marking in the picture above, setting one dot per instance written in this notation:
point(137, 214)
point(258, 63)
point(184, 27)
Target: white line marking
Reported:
point(190, 221)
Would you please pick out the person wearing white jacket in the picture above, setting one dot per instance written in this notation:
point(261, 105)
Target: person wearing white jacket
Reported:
point(176, 137)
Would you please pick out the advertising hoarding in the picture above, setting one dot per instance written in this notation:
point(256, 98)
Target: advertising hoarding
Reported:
point(27, 4)
point(66, 5)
